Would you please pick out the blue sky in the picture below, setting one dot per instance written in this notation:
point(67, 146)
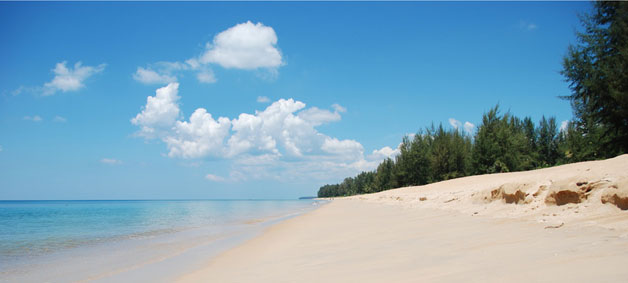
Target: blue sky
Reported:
point(309, 93)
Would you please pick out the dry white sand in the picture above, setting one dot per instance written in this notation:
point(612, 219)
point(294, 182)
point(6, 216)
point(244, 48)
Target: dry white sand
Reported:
point(567, 223)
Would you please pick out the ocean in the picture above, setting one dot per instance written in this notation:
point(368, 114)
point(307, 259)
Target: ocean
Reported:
point(127, 240)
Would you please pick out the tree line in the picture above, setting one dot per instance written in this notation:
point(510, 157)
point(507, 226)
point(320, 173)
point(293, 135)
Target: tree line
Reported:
point(502, 143)
point(597, 72)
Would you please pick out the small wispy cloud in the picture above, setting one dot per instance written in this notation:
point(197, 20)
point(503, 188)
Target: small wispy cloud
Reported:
point(23, 89)
point(70, 78)
point(110, 161)
point(206, 76)
point(527, 26)
point(263, 99)
point(59, 119)
point(65, 79)
point(214, 178)
point(338, 108)
point(150, 76)
point(34, 118)
point(454, 123)
point(467, 126)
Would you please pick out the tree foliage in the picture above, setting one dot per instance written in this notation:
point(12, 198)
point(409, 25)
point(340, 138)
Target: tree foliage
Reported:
point(502, 143)
point(597, 71)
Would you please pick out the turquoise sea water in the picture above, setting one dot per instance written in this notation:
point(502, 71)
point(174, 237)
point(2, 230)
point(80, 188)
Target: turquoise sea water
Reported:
point(117, 237)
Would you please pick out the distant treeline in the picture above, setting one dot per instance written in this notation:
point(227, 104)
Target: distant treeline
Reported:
point(502, 143)
point(597, 72)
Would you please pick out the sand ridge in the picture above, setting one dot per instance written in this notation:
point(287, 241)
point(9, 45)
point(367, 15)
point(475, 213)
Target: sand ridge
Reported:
point(586, 193)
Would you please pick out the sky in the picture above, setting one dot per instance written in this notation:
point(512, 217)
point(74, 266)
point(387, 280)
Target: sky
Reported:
point(248, 100)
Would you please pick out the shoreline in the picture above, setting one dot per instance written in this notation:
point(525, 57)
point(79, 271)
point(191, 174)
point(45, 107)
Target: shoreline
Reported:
point(150, 257)
point(471, 229)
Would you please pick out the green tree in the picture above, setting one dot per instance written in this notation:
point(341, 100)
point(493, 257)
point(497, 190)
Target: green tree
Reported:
point(547, 142)
point(597, 71)
point(501, 144)
point(450, 154)
point(384, 176)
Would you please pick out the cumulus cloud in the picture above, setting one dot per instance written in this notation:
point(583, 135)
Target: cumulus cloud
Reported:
point(275, 127)
point(244, 46)
point(347, 149)
point(200, 137)
point(263, 99)
point(160, 113)
point(110, 161)
point(383, 153)
point(283, 135)
point(317, 116)
point(70, 79)
point(34, 118)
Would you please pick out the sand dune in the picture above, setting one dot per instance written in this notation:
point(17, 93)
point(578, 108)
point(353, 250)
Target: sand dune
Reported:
point(567, 223)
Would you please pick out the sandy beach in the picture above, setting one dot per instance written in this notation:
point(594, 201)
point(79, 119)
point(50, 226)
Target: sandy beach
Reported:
point(566, 223)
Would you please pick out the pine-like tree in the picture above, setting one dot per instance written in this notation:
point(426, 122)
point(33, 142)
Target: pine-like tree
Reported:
point(597, 71)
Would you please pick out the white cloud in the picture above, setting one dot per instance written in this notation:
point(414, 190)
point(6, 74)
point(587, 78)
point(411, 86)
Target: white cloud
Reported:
point(201, 136)
point(317, 116)
point(263, 99)
point(454, 123)
point(276, 126)
point(264, 144)
point(110, 161)
point(149, 76)
point(346, 149)
point(70, 79)
point(214, 178)
point(244, 46)
point(0, 148)
point(383, 153)
point(59, 119)
point(206, 76)
point(469, 127)
point(35, 118)
point(160, 112)
point(564, 125)
point(338, 108)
